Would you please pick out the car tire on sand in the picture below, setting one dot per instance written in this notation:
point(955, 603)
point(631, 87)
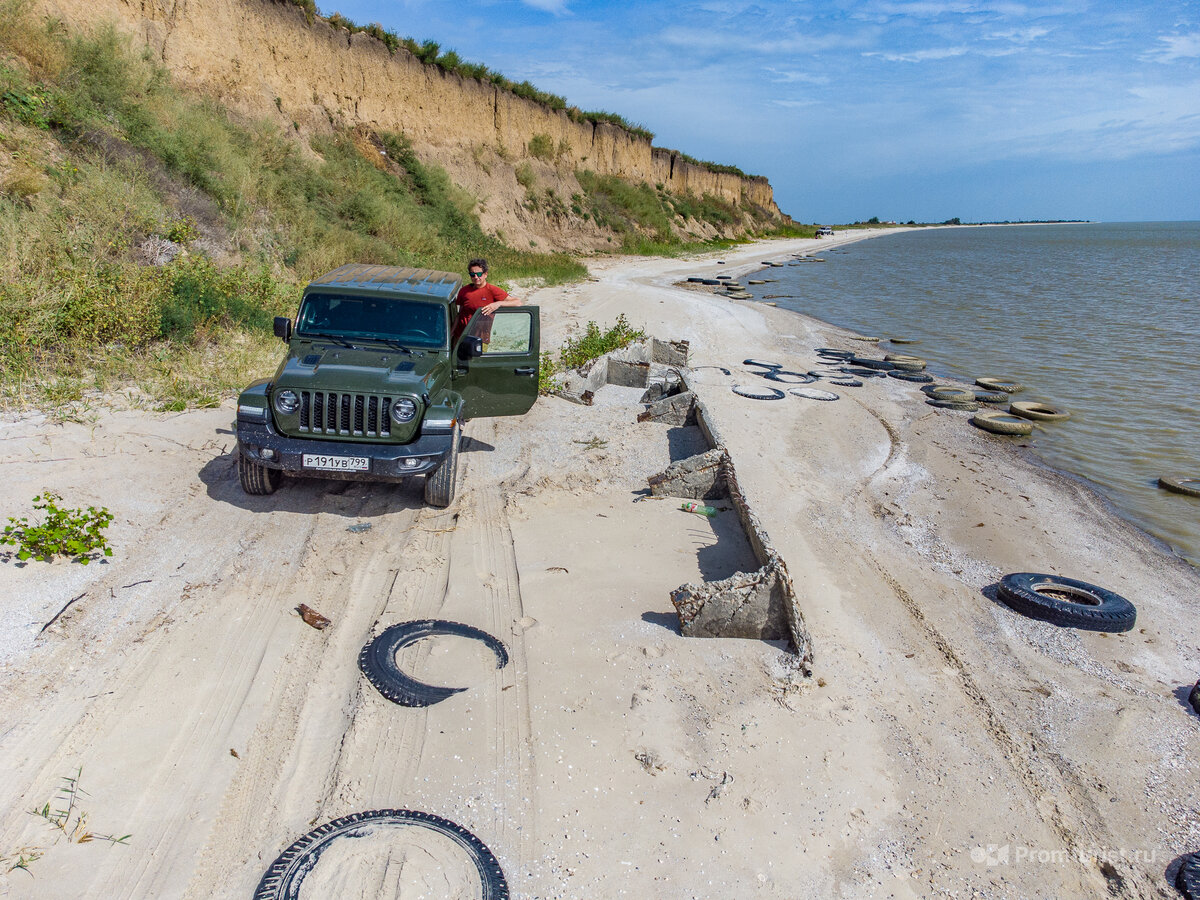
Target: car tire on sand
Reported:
point(1065, 601)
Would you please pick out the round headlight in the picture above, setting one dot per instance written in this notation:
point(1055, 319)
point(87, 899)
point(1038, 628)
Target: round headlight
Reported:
point(287, 402)
point(403, 410)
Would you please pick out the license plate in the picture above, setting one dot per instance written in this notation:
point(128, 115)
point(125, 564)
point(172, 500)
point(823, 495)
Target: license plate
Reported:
point(336, 463)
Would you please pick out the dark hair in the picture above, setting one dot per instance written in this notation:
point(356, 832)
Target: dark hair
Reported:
point(481, 263)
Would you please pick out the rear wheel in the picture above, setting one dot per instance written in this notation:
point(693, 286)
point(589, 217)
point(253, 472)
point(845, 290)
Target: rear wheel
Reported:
point(440, 483)
point(256, 478)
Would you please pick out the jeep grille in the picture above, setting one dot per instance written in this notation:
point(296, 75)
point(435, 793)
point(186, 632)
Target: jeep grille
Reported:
point(323, 412)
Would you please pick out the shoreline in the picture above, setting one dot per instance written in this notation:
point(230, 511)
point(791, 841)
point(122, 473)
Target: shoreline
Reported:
point(610, 756)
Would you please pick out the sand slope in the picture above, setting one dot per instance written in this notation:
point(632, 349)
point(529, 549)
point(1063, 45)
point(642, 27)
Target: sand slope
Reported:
point(611, 757)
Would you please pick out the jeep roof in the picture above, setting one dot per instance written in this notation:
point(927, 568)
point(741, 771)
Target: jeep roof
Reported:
point(431, 283)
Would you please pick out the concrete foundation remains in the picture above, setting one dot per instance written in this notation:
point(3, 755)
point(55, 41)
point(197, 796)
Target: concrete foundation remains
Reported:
point(699, 477)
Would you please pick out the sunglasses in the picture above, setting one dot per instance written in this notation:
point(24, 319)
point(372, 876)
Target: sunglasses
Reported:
point(477, 274)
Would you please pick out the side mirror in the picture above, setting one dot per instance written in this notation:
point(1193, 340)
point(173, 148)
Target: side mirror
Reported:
point(283, 328)
point(470, 346)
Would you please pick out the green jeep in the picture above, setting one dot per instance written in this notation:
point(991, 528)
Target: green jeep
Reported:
point(374, 386)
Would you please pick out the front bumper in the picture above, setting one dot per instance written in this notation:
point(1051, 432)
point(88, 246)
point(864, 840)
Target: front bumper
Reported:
point(389, 462)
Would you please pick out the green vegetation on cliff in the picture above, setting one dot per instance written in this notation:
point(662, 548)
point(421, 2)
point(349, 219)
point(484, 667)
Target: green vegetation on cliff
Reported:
point(148, 236)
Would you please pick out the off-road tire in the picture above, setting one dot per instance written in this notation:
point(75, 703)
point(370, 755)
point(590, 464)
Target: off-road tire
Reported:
point(867, 363)
point(1181, 485)
point(283, 879)
point(256, 478)
point(1093, 608)
point(441, 482)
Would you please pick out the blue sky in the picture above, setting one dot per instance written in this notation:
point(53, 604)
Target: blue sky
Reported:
point(921, 110)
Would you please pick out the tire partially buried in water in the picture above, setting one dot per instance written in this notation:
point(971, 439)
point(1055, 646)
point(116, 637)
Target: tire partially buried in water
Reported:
point(998, 422)
point(866, 362)
point(1000, 384)
point(1065, 601)
point(1181, 485)
point(991, 396)
point(944, 392)
point(1039, 412)
point(283, 880)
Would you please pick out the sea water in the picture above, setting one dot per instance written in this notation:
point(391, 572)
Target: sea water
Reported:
point(1101, 320)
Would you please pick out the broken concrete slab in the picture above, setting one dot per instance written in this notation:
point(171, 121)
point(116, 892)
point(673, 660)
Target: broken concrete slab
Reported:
point(676, 410)
point(699, 477)
point(744, 605)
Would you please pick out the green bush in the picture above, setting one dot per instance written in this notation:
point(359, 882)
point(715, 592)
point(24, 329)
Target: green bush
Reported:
point(76, 533)
point(594, 343)
point(541, 146)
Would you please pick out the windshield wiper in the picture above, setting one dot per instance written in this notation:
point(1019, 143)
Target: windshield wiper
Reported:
point(337, 339)
point(392, 342)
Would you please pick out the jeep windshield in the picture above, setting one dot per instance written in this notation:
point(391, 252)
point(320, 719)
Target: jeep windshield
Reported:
point(398, 322)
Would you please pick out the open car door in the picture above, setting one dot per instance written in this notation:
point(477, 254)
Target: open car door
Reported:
point(503, 381)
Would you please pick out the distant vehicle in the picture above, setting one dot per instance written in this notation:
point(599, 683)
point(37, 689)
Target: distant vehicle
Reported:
point(824, 231)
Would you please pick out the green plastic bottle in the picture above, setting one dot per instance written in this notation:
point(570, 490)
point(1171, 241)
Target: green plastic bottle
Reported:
point(694, 506)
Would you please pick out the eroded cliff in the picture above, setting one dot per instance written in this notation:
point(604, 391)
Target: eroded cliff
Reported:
point(265, 59)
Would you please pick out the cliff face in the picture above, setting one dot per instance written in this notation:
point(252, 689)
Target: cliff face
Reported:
point(264, 59)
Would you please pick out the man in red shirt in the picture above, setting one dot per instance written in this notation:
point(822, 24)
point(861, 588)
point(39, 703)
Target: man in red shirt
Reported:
point(479, 295)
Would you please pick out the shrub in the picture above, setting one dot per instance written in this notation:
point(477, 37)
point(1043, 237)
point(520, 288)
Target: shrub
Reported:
point(594, 343)
point(63, 532)
point(541, 146)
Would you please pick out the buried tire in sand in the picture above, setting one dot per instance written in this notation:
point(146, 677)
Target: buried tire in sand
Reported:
point(1065, 601)
point(283, 880)
point(377, 660)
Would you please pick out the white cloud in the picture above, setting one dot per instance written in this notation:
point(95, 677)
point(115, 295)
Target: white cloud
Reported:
point(558, 7)
point(1179, 46)
point(922, 55)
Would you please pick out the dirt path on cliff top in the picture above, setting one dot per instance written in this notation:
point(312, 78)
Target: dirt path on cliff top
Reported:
point(945, 747)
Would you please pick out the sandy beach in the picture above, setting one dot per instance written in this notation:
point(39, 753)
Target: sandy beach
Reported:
point(943, 746)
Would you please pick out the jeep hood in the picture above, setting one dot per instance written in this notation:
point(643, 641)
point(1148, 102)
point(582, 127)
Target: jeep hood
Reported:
point(362, 369)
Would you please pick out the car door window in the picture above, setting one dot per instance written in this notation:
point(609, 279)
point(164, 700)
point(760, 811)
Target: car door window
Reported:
point(509, 332)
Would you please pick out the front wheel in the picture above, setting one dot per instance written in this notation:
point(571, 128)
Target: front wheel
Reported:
point(257, 479)
point(440, 483)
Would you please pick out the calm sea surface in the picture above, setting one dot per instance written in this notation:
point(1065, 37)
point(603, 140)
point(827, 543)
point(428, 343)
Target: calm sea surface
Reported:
point(1102, 320)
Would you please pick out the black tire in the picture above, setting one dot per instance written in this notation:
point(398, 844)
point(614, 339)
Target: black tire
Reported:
point(762, 365)
point(757, 393)
point(377, 660)
point(1000, 384)
point(1187, 879)
point(846, 382)
point(860, 372)
point(440, 484)
point(1181, 485)
point(696, 279)
point(1002, 423)
point(960, 405)
point(991, 396)
point(709, 281)
point(868, 363)
point(257, 479)
point(814, 394)
point(904, 340)
point(1039, 412)
point(833, 353)
point(1092, 608)
point(785, 377)
point(857, 337)
point(917, 377)
point(1194, 698)
point(945, 392)
point(283, 879)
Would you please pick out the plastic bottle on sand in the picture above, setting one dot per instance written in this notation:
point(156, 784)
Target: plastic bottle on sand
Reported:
point(699, 508)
